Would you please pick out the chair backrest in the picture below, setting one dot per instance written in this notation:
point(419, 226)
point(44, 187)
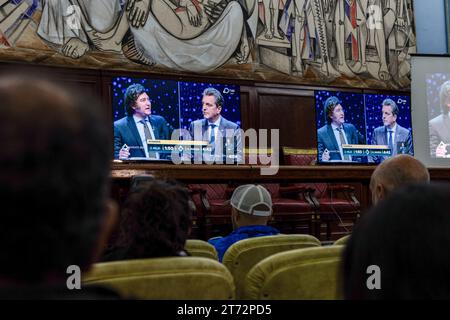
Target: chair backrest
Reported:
point(342, 241)
point(299, 157)
point(252, 156)
point(243, 255)
point(200, 248)
point(179, 278)
point(304, 274)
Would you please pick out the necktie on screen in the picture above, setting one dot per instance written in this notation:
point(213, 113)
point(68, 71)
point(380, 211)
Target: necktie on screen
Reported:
point(390, 144)
point(212, 138)
point(341, 137)
point(148, 136)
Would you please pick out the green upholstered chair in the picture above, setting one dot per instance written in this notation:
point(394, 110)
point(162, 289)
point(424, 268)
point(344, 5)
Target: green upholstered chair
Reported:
point(244, 254)
point(179, 278)
point(342, 241)
point(304, 274)
point(200, 248)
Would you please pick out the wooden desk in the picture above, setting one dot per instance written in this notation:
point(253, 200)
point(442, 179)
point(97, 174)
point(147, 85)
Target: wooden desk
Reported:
point(250, 173)
point(244, 173)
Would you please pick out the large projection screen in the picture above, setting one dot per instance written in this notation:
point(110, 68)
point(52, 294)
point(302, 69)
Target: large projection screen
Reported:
point(430, 102)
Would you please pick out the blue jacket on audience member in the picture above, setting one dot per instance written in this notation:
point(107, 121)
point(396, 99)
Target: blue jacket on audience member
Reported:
point(223, 243)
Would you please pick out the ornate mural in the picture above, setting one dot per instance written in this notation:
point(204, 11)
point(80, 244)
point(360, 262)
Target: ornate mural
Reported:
point(358, 43)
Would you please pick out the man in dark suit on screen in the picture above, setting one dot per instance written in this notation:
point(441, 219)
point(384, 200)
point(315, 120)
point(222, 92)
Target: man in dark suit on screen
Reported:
point(223, 136)
point(391, 134)
point(335, 133)
point(439, 126)
point(132, 132)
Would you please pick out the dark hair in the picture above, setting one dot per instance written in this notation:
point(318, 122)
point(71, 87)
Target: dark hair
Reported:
point(54, 168)
point(216, 93)
point(131, 95)
point(328, 107)
point(407, 236)
point(392, 104)
point(444, 95)
point(155, 221)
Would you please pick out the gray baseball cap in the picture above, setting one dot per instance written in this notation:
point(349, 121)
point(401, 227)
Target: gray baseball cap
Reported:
point(246, 197)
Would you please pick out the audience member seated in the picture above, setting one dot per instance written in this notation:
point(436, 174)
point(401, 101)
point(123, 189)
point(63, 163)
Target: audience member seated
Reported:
point(250, 212)
point(155, 222)
point(395, 172)
point(399, 250)
point(54, 169)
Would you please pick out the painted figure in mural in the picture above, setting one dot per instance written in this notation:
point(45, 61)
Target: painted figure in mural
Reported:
point(309, 33)
point(369, 38)
point(376, 23)
point(191, 35)
point(400, 37)
point(349, 23)
point(15, 16)
point(66, 24)
point(210, 49)
point(317, 26)
point(271, 19)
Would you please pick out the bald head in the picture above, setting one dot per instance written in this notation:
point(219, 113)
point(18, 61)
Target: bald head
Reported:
point(397, 172)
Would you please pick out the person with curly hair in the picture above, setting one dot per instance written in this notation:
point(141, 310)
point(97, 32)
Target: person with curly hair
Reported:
point(155, 222)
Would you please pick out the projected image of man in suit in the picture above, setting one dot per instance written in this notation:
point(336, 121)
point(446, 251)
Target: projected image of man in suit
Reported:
point(391, 134)
point(132, 132)
point(335, 133)
point(223, 136)
point(440, 126)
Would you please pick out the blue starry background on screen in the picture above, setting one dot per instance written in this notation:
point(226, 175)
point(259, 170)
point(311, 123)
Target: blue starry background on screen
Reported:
point(163, 96)
point(191, 102)
point(374, 118)
point(434, 82)
point(352, 103)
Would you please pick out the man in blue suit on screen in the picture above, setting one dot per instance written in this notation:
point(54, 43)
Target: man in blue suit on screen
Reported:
point(223, 136)
point(335, 133)
point(132, 132)
point(391, 134)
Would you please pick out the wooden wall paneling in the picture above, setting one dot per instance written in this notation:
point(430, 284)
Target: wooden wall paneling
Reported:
point(290, 110)
point(88, 81)
point(106, 83)
point(245, 106)
point(248, 107)
point(81, 79)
